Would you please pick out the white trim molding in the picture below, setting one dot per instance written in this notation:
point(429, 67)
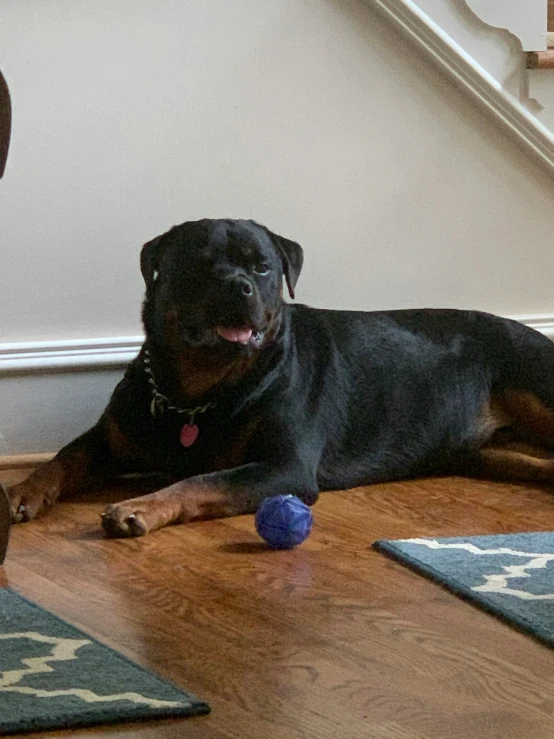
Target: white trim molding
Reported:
point(112, 352)
point(116, 352)
point(451, 58)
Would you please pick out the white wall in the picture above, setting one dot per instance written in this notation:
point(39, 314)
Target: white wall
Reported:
point(311, 116)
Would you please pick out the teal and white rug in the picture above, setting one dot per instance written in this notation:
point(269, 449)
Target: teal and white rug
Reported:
point(510, 575)
point(54, 676)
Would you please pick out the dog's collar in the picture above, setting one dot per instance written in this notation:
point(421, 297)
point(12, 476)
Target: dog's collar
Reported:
point(160, 403)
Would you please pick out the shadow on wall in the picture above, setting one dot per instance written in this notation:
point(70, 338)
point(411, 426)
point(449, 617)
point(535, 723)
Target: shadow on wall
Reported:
point(5, 123)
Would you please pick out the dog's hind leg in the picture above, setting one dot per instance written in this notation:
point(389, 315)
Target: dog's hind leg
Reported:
point(531, 420)
point(523, 446)
point(516, 461)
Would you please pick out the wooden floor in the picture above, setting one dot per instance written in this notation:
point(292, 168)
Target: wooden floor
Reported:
point(331, 640)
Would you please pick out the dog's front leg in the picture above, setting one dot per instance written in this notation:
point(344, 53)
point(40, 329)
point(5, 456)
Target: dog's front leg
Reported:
point(81, 463)
point(217, 495)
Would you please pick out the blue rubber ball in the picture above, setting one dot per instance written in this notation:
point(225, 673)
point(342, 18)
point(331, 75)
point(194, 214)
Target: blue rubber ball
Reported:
point(283, 521)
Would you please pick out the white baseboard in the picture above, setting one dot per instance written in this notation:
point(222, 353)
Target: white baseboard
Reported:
point(50, 392)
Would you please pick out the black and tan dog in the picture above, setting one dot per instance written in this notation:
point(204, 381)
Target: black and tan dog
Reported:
point(238, 395)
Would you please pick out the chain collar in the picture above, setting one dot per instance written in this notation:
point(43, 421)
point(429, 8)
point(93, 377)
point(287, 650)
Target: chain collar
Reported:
point(160, 403)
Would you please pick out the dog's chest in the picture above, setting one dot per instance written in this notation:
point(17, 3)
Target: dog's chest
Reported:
point(207, 443)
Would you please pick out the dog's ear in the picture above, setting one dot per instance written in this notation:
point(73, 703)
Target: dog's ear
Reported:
point(149, 260)
point(292, 258)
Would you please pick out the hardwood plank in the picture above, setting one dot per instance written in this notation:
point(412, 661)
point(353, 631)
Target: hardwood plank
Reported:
point(331, 639)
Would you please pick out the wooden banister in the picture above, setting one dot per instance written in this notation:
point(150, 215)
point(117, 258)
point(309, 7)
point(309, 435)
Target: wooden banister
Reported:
point(540, 59)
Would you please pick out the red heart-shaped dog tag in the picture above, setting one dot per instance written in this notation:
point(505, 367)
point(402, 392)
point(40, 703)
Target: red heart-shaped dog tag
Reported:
point(189, 434)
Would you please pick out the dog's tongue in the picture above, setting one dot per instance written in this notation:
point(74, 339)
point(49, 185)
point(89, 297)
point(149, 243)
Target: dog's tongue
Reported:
point(240, 335)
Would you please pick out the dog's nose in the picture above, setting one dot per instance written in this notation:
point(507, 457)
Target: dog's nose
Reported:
point(245, 286)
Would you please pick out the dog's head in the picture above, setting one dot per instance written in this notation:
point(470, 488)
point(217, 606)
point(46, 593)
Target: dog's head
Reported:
point(218, 284)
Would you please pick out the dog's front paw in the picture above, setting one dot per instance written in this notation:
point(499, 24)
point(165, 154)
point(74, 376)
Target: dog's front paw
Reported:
point(124, 519)
point(138, 516)
point(26, 502)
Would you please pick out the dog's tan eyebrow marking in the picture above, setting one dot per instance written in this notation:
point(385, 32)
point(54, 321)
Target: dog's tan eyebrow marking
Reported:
point(246, 253)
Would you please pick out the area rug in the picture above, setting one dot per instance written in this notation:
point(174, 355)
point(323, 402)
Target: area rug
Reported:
point(54, 676)
point(510, 575)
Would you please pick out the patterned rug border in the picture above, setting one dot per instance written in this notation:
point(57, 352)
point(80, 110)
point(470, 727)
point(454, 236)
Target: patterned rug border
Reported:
point(514, 621)
point(58, 720)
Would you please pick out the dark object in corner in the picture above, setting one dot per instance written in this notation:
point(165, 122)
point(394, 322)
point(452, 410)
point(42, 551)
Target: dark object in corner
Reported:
point(4, 523)
point(5, 129)
point(5, 123)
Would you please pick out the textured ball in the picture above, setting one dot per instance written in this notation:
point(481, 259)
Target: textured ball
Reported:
point(283, 521)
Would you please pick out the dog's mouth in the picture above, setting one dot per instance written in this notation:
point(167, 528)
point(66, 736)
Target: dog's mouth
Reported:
point(240, 335)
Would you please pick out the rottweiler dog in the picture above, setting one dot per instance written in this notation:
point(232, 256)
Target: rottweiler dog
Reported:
point(237, 395)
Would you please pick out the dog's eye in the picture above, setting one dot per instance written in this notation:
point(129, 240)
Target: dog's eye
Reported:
point(261, 269)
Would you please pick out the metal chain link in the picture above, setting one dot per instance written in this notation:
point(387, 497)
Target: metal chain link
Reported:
point(161, 403)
